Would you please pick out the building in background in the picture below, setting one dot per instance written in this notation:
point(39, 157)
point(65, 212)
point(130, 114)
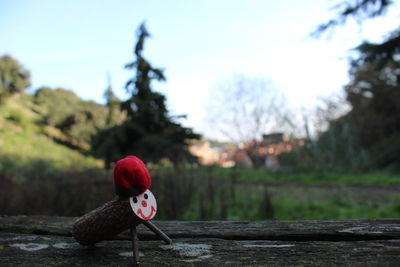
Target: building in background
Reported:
point(254, 154)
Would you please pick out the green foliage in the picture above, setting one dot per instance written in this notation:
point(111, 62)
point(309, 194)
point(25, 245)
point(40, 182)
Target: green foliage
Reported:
point(15, 115)
point(77, 119)
point(25, 151)
point(335, 150)
point(305, 178)
point(55, 104)
point(374, 94)
point(335, 208)
point(386, 152)
point(13, 77)
point(149, 132)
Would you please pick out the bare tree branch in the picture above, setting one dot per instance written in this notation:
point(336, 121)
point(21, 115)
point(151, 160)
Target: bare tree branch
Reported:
point(243, 109)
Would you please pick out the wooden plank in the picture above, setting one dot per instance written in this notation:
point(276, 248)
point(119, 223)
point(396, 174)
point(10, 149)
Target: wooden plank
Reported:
point(346, 230)
point(18, 249)
point(47, 241)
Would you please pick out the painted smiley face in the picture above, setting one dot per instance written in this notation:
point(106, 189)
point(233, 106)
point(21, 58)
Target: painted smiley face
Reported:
point(144, 205)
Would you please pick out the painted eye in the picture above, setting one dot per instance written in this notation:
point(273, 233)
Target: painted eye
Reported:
point(135, 200)
point(146, 196)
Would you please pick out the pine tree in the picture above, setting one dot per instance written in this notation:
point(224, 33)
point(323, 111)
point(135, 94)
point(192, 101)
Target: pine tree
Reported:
point(149, 132)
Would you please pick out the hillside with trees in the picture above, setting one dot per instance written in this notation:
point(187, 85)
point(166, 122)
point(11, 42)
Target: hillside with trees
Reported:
point(52, 125)
point(139, 125)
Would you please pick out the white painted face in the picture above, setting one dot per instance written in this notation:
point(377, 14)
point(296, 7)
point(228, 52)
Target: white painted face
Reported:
point(144, 205)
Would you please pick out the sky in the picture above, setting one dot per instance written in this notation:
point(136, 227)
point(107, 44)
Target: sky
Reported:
point(75, 44)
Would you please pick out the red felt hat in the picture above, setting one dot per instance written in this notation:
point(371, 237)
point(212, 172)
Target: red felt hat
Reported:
point(131, 177)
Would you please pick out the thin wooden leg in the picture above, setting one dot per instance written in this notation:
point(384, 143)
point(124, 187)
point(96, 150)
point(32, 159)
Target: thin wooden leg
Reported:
point(158, 232)
point(135, 246)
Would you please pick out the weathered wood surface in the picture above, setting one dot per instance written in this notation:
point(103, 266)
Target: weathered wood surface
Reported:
point(47, 241)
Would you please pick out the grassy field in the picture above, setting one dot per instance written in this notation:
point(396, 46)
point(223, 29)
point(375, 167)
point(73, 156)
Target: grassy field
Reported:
point(314, 178)
point(258, 195)
point(280, 203)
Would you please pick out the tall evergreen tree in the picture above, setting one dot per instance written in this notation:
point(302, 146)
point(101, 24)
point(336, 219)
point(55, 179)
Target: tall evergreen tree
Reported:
point(145, 105)
point(149, 132)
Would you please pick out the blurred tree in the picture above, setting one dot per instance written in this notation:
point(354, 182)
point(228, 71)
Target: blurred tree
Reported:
point(358, 9)
point(55, 104)
point(374, 89)
point(243, 109)
point(148, 132)
point(78, 120)
point(361, 10)
point(13, 77)
point(374, 95)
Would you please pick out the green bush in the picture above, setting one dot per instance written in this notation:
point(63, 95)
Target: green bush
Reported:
point(16, 116)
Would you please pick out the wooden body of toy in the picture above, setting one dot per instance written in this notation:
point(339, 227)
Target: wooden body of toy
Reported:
point(134, 205)
point(105, 222)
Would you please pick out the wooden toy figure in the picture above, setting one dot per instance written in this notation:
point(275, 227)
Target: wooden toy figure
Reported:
point(134, 205)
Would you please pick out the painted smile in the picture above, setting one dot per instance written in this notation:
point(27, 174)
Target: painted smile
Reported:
point(140, 212)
